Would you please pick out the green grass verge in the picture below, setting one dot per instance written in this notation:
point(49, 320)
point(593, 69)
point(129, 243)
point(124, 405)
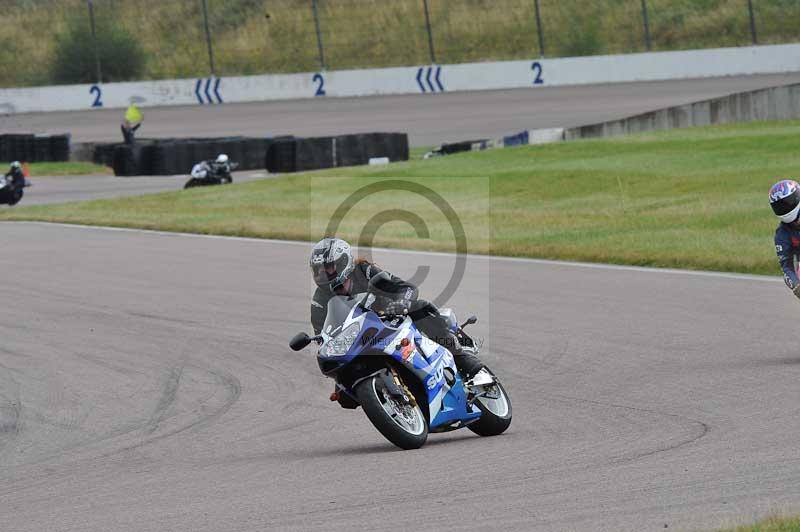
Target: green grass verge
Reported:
point(687, 199)
point(773, 524)
point(67, 168)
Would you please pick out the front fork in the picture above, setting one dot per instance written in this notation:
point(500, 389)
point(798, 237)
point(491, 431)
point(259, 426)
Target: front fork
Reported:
point(391, 380)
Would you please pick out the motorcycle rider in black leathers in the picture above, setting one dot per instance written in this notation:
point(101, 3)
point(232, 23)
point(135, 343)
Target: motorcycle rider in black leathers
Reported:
point(221, 167)
point(336, 272)
point(16, 175)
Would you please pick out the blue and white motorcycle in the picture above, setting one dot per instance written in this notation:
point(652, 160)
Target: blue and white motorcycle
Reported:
point(407, 384)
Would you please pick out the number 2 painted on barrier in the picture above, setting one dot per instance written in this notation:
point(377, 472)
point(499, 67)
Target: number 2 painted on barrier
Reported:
point(98, 93)
point(321, 87)
point(537, 68)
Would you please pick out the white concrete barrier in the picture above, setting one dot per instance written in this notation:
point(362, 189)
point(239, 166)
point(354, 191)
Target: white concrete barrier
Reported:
point(774, 103)
point(428, 79)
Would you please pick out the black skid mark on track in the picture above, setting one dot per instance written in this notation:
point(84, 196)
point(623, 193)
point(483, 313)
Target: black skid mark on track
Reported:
point(10, 420)
point(166, 319)
point(119, 368)
point(152, 430)
point(9, 352)
point(165, 401)
point(204, 416)
point(700, 428)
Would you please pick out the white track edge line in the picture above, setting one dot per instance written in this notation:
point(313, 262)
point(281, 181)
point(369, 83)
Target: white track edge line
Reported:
point(499, 258)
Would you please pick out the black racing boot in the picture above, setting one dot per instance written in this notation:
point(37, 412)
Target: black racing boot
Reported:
point(433, 325)
point(467, 361)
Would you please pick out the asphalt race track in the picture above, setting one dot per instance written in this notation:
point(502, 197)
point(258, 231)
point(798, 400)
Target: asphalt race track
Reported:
point(62, 189)
point(146, 385)
point(428, 119)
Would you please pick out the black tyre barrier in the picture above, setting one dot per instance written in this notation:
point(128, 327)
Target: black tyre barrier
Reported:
point(34, 148)
point(41, 149)
point(197, 152)
point(124, 163)
point(104, 154)
point(295, 155)
point(59, 147)
point(255, 151)
point(315, 153)
point(180, 157)
point(351, 150)
point(177, 156)
point(282, 156)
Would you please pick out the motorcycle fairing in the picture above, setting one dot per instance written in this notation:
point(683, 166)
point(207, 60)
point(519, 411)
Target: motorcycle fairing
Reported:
point(447, 402)
point(431, 363)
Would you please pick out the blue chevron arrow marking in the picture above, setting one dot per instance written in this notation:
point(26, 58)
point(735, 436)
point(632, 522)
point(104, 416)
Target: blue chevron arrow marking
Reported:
point(439, 81)
point(419, 79)
point(197, 91)
point(208, 95)
point(216, 90)
point(428, 79)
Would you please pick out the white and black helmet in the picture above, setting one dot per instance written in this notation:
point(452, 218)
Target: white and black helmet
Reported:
point(784, 198)
point(15, 164)
point(331, 262)
point(222, 158)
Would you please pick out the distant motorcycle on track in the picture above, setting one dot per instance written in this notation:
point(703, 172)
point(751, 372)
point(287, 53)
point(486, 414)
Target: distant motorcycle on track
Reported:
point(407, 384)
point(11, 192)
point(207, 173)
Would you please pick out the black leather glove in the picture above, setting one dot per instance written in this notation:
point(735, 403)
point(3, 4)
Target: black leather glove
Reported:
point(396, 308)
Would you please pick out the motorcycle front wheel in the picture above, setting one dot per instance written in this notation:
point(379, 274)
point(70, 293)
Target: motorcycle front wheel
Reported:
point(399, 421)
point(495, 407)
point(191, 183)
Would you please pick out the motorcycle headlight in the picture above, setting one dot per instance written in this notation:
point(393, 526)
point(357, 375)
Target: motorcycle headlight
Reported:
point(341, 344)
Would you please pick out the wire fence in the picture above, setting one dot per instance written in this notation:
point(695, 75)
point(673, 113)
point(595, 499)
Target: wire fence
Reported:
point(192, 38)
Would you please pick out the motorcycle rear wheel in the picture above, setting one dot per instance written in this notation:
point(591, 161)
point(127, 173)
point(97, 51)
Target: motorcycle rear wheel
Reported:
point(16, 196)
point(401, 423)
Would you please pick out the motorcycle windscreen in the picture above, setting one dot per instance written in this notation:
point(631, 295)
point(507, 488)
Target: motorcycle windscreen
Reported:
point(339, 308)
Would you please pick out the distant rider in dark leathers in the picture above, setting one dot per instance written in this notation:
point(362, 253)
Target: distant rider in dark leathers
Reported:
point(16, 174)
point(219, 168)
point(336, 272)
point(784, 198)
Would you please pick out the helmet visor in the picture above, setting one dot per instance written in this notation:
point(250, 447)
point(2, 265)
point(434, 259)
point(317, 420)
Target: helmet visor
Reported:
point(330, 273)
point(785, 205)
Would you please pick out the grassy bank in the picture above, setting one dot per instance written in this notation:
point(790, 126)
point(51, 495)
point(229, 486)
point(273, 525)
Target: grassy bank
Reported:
point(259, 36)
point(774, 524)
point(67, 168)
point(687, 199)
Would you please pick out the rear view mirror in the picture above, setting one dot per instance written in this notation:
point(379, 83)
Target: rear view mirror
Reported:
point(299, 341)
point(470, 321)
